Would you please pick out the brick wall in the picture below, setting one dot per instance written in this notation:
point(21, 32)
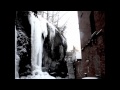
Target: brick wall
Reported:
point(93, 55)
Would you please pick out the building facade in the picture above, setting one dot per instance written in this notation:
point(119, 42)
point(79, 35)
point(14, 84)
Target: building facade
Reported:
point(92, 27)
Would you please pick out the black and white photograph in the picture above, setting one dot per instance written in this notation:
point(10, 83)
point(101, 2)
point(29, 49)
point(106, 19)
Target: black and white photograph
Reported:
point(59, 45)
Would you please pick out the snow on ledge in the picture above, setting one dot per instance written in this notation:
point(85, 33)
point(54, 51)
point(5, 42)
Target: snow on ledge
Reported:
point(37, 74)
point(89, 78)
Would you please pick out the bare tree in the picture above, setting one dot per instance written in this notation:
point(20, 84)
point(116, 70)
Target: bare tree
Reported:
point(54, 18)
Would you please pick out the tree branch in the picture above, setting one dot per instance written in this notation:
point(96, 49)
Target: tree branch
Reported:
point(62, 16)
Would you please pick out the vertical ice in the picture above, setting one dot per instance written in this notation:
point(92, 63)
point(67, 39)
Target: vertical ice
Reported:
point(38, 27)
point(16, 56)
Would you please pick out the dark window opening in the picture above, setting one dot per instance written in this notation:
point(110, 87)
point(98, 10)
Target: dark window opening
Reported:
point(92, 22)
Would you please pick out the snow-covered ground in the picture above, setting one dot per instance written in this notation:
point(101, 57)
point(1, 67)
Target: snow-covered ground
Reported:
point(37, 75)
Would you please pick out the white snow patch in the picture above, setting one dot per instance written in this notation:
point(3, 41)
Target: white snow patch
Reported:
point(37, 74)
point(17, 58)
point(89, 78)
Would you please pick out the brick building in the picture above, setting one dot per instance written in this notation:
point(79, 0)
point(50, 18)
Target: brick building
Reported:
point(92, 27)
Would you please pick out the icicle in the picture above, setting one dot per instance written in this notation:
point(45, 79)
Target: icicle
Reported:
point(38, 27)
point(52, 30)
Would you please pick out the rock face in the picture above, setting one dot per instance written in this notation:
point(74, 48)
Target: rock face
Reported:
point(23, 42)
point(54, 50)
point(23, 53)
point(54, 58)
point(93, 54)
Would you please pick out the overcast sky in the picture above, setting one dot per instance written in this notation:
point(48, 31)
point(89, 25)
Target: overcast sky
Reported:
point(72, 32)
